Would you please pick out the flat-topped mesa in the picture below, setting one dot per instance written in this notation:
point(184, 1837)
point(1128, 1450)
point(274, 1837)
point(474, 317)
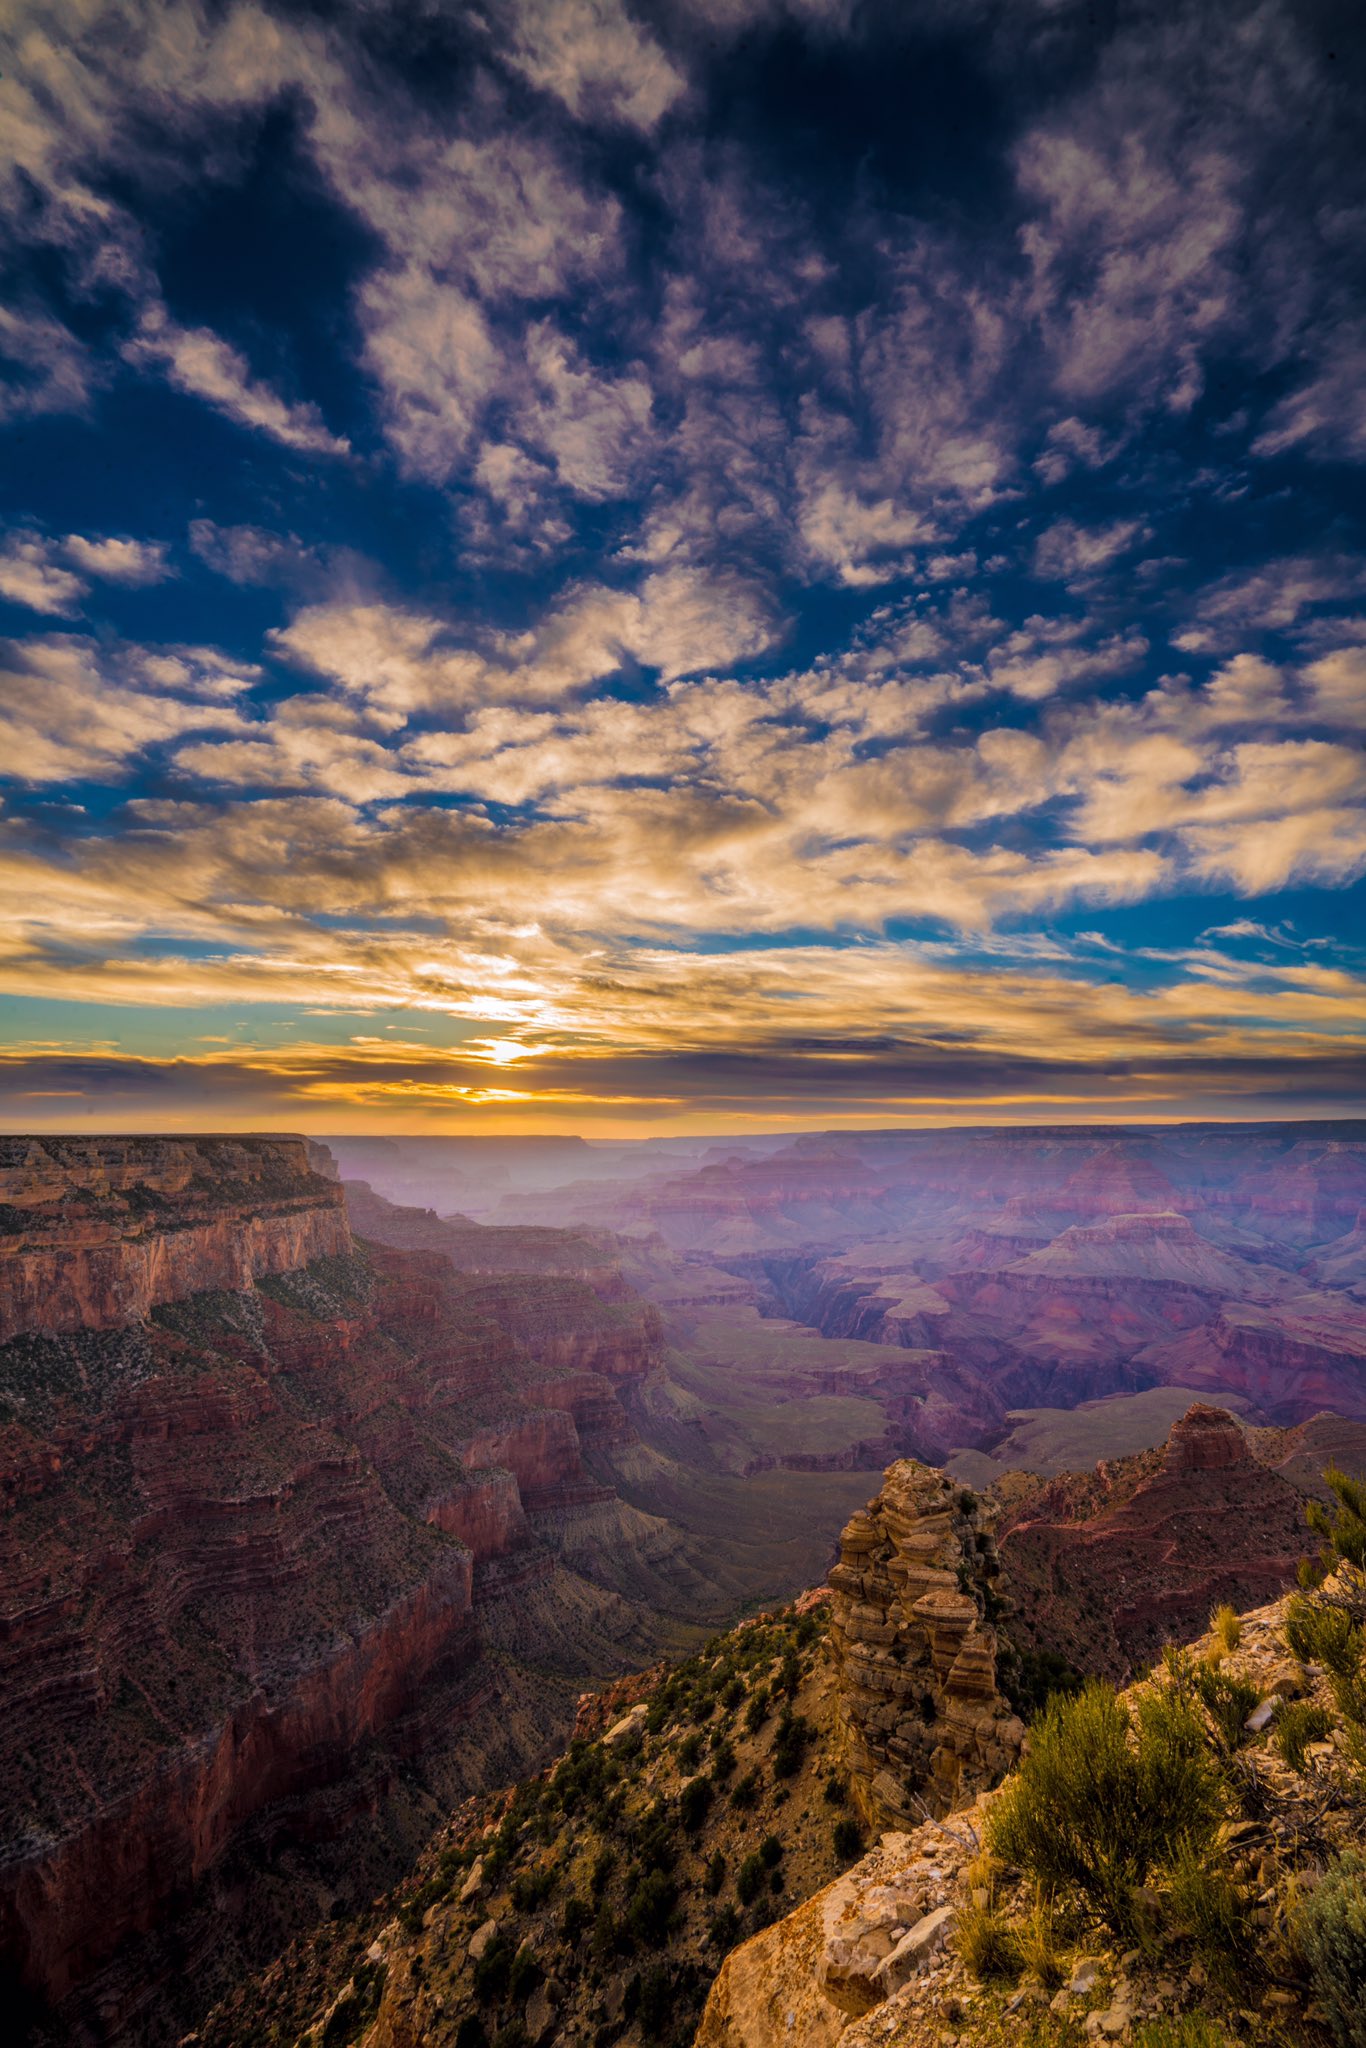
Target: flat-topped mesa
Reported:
point(919, 1720)
point(95, 1232)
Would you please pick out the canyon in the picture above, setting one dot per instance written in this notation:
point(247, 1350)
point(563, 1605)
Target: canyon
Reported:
point(333, 1478)
point(301, 1540)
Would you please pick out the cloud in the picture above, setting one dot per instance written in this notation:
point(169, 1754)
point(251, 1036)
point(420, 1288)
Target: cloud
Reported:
point(1326, 415)
point(29, 576)
point(48, 369)
point(1272, 598)
point(203, 365)
point(70, 711)
point(53, 576)
point(1068, 553)
point(595, 59)
point(252, 554)
point(136, 563)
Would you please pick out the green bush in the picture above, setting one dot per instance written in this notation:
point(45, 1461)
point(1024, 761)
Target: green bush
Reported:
point(471, 2032)
point(1212, 1912)
point(493, 1969)
point(694, 1803)
point(745, 1791)
point(651, 1909)
point(847, 1837)
point(531, 1888)
point(989, 1946)
point(756, 1713)
point(789, 1743)
point(576, 1918)
point(690, 1751)
point(751, 1878)
point(716, 1873)
point(524, 1975)
point(724, 1929)
point(1192, 2030)
point(1343, 1525)
point(1331, 1928)
point(836, 1790)
point(1104, 1797)
point(1228, 1701)
point(1300, 1723)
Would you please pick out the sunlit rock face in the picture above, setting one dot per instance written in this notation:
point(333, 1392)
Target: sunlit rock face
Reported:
point(920, 1721)
point(97, 1231)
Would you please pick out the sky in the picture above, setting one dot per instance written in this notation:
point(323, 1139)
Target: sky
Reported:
point(664, 566)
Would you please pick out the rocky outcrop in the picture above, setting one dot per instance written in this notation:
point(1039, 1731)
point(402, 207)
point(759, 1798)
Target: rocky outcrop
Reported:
point(919, 1718)
point(95, 1232)
point(876, 1957)
point(1106, 1567)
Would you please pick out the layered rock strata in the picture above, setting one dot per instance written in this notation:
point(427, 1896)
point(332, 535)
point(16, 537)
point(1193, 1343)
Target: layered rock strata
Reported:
point(266, 1493)
point(95, 1232)
point(919, 1720)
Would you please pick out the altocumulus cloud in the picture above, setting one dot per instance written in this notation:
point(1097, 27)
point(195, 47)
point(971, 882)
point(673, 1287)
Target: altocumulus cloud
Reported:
point(711, 560)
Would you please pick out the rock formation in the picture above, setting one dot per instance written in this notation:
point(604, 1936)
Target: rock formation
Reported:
point(95, 1232)
point(919, 1718)
point(267, 1492)
point(1105, 1567)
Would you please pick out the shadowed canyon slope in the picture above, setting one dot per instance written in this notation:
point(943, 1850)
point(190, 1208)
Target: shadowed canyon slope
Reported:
point(301, 1531)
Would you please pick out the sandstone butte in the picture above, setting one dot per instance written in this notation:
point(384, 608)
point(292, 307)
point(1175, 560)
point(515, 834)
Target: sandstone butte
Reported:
point(268, 1493)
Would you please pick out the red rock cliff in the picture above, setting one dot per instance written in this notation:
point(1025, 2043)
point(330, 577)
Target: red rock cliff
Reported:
point(97, 1231)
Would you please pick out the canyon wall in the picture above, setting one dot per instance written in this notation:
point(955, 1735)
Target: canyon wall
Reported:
point(95, 1232)
point(268, 1490)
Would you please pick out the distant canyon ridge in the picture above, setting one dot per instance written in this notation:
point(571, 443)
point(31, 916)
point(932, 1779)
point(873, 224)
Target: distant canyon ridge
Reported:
point(334, 1473)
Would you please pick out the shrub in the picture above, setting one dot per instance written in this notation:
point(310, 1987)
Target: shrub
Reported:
point(1331, 1928)
point(1320, 1633)
point(756, 1713)
point(1212, 1912)
point(722, 1762)
point(1030, 1678)
point(1039, 1949)
point(690, 1751)
point(724, 1930)
point(1300, 1723)
point(492, 1970)
point(471, 2032)
point(847, 1836)
point(770, 1851)
point(836, 1790)
point(1103, 1797)
point(576, 1918)
point(989, 1945)
point(1343, 1524)
point(531, 1888)
point(750, 1878)
point(1192, 2030)
point(694, 1803)
point(651, 1909)
point(1228, 1701)
point(716, 1873)
point(789, 1743)
point(524, 1975)
point(745, 1792)
point(1227, 1629)
point(732, 1694)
